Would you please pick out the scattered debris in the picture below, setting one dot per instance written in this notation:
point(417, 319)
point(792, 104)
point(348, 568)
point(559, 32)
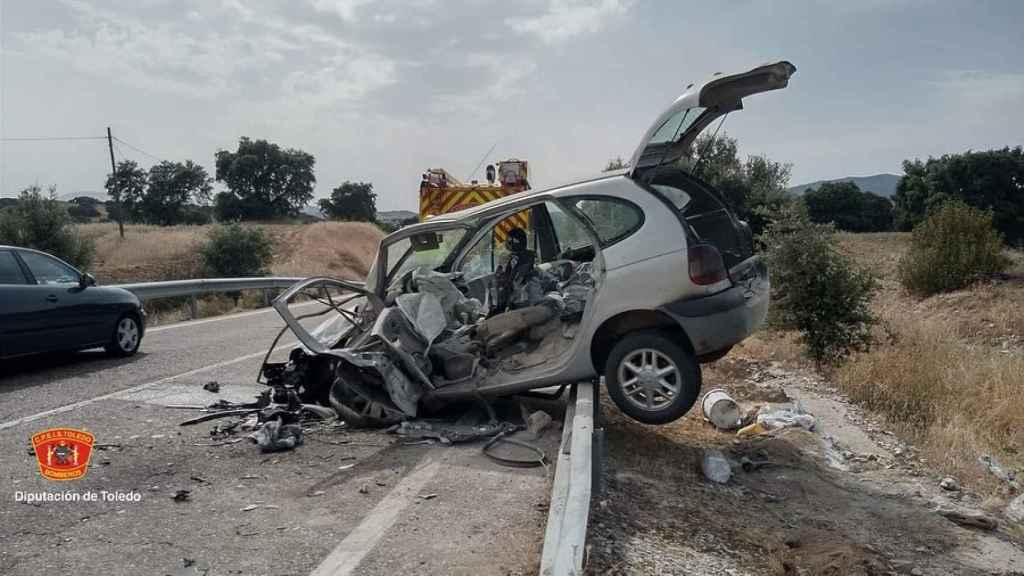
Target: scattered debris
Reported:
point(715, 466)
point(769, 418)
point(182, 496)
point(250, 507)
point(364, 489)
point(949, 484)
point(428, 496)
point(721, 410)
point(276, 437)
point(212, 386)
point(992, 465)
point(538, 422)
point(969, 518)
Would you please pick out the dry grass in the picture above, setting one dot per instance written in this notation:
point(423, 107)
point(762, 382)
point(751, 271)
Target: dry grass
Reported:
point(152, 253)
point(146, 253)
point(947, 370)
point(340, 249)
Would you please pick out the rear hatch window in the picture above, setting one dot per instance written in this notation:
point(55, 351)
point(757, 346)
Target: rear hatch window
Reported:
point(708, 219)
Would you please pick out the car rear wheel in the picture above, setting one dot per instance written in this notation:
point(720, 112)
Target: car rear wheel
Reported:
point(127, 336)
point(652, 378)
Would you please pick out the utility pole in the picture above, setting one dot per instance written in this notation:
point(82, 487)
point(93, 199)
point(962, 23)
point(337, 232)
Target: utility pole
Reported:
point(113, 178)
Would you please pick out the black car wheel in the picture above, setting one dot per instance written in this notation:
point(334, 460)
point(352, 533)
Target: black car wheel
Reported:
point(651, 378)
point(127, 336)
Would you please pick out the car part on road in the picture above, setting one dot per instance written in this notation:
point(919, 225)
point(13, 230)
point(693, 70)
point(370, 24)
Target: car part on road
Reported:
point(276, 437)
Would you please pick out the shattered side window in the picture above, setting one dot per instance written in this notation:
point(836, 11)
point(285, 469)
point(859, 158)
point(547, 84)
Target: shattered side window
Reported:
point(612, 219)
point(570, 234)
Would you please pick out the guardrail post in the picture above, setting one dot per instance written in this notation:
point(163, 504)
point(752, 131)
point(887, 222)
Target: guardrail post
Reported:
point(600, 446)
point(267, 297)
point(193, 307)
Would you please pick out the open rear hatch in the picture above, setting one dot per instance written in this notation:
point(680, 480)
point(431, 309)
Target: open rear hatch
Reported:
point(676, 129)
point(656, 161)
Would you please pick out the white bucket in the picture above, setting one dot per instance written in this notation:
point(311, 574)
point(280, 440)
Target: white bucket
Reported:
point(721, 410)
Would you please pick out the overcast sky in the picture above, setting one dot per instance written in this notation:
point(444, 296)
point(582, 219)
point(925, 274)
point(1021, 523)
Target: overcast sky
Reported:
point(381, 90)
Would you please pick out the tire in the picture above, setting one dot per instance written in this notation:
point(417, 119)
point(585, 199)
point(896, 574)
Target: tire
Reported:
point(127, 336)
point(648, 396)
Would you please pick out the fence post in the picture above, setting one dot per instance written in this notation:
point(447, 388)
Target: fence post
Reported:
point(193, 307)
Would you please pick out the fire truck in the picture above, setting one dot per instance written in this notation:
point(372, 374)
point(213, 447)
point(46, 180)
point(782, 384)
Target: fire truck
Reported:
point(440, 192)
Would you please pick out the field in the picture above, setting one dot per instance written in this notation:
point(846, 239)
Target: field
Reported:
point(153, 253)
point(946, 370)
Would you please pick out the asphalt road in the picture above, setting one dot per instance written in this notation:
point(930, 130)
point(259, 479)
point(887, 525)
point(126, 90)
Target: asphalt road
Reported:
point(347, 502)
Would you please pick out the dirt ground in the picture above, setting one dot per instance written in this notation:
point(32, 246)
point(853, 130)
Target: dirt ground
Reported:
point(846, 498)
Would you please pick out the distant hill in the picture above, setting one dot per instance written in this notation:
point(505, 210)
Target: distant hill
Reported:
point(395, 216)
point(881, 184)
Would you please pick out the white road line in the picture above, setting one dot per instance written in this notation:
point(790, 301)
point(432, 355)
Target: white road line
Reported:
point(345, 558)
point(126, 391)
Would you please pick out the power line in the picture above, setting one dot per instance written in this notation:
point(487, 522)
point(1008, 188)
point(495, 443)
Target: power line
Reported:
point(51, 138)
point(140, 150)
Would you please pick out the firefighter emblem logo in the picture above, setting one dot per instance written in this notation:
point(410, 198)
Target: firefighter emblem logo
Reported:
point(63, 453)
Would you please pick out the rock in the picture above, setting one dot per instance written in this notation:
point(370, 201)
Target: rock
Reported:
point(1015, 509)
point(364, 489)
point(181, 496)
point(538, 422)
point(212, 386)
point(969, 518)
point(949, 483)
point(715, 466)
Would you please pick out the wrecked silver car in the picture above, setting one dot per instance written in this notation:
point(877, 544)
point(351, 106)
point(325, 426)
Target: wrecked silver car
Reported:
point(638, 276)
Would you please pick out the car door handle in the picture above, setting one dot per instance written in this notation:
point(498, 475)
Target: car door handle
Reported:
point(51, 298)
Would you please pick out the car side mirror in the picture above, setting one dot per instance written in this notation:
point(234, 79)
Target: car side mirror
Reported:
point(86, 280)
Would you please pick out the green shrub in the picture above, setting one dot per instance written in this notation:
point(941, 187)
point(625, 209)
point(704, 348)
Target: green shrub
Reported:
point(237, 251)
point(816, 289)
point(39, 221)
point(951, 248)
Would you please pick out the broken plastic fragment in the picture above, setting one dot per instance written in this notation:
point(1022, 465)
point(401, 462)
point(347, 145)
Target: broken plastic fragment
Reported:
point(275, 437)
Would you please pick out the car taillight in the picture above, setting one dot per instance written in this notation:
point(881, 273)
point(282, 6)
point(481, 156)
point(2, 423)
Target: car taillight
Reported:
point(706, 266)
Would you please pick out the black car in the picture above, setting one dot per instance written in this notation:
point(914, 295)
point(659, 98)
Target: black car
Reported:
point(47, 305)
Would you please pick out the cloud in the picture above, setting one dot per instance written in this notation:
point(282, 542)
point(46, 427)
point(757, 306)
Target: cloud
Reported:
point(344, 9)
point(213, 51)
point(501, 77)
point(564, 19)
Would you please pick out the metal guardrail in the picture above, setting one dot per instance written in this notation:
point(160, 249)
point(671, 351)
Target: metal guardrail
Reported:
point(171, 288)
point(576, 476)
point(192, 288)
